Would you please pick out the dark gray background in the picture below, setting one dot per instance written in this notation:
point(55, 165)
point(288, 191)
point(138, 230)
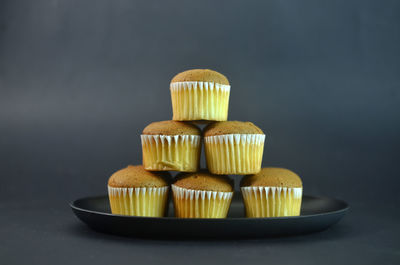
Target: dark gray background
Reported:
point(79, 80)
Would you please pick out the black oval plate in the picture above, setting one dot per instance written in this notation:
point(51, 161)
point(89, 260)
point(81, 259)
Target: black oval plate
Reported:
point(317, 214)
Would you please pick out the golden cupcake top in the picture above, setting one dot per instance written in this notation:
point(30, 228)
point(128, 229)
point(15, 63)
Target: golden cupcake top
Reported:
point(204, 180)
point(202, 75)
point(171, 128)
point(138, 177)
point(272, 177)
point(231, 127)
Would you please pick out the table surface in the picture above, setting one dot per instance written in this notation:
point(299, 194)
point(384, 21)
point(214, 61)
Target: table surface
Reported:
point(39, 232)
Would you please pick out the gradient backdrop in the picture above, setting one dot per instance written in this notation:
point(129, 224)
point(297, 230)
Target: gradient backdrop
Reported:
point(79, 80)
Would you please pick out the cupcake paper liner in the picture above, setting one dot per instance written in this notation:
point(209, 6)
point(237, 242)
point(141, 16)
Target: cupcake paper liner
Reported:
point(200, 101)
point(138, 201)
point(234, 153)
point(178, 152)
point(200, 204)
point(272, 201)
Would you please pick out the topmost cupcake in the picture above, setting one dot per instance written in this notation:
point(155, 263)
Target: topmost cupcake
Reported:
point(200, 94)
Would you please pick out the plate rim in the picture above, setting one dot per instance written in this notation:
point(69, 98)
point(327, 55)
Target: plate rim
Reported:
point(345, 209)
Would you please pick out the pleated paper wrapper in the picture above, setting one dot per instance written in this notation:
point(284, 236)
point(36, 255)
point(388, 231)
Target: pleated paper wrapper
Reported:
point(200, 101)
point(234, 153)
point(145, 201)
point(175, 152)
point(272, 201)
point(200, 204)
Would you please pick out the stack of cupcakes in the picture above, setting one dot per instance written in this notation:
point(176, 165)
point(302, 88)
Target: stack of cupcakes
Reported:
point(231, 148)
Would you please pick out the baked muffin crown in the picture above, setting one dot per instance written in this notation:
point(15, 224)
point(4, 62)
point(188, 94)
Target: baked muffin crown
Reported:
point(231, 127)
point(203, 180)
point(202, 75)
point(272, 177)
point(171, 128)
point(137, 177)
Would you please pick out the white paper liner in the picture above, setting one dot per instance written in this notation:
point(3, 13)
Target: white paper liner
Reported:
point(175, 152)
point(272, 201)
point(234, 153)
point(200, 100)
point(146, 201)
point(200, 204)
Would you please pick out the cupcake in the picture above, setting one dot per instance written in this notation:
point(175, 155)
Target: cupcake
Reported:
point(202, 195)
point(200, 94)
point(171, 145)
point(135, 191)
point(233, 147)
point(272, 192)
